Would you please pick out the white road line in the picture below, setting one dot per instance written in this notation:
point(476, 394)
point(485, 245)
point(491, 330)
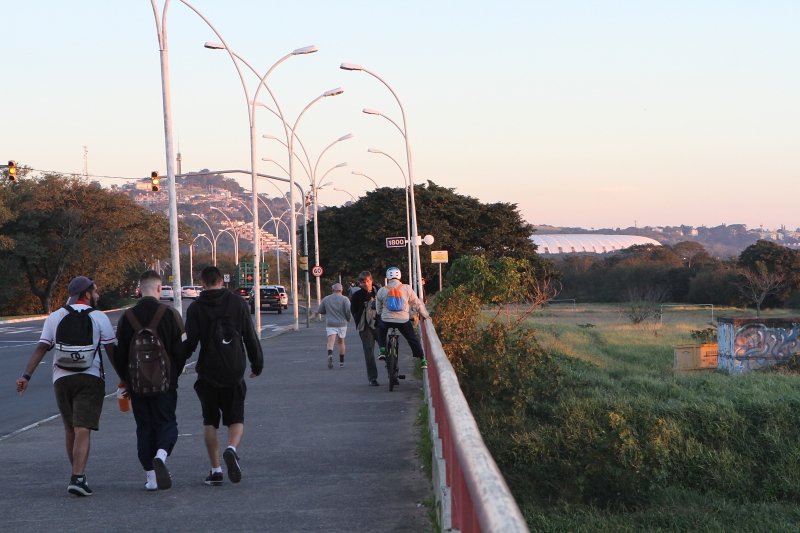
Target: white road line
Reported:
point(20, 345)
point(26, 428)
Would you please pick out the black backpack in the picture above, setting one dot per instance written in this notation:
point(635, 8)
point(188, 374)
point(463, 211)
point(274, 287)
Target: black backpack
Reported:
point(148, 360)
point(75, 349)
point(225, 361)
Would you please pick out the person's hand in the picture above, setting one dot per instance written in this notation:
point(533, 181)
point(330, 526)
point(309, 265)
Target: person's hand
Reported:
point(253, 375)
point(424, 318)
point(22, 384)
point(124, 392)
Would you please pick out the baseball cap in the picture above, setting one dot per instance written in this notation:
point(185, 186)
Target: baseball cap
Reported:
point(79, 285)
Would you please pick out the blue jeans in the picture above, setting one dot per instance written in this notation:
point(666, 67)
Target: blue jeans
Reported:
point(406, 329)
point(156, 425)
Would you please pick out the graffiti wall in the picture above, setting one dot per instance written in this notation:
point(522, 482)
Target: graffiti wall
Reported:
point(749, 343)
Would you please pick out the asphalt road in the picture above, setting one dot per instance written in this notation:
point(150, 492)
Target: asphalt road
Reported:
point(17, 342)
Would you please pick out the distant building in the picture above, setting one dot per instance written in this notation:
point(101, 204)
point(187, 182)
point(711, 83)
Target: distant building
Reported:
point(587, 243)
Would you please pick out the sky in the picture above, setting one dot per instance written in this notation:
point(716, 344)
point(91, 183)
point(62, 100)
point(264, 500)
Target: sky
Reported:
point(592, 114)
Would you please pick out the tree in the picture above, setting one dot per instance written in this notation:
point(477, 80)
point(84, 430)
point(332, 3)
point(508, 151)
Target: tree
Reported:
point(777, 260)
point(63, 227)
point(353, 238)
point(759, 283)
point(690, 252)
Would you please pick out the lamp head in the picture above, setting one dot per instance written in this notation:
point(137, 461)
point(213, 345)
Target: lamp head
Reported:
point(345, 137)
point(201, 234)
point(333, 92)
point(305, 50)
point(358, 173)
point(326, 184)
point(341, 165)
point(214, 46)
point(269, 137)
point(350, 66)
point(374, 151)
point(369, 111)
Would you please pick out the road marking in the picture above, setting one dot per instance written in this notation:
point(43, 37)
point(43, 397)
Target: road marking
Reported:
point(13, 330)
point(19, 345)
point(26, 428)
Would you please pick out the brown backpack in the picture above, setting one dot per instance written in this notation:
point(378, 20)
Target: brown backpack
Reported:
point(148, 360)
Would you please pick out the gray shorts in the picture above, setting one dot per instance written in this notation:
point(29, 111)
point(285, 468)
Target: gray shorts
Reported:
point(80, 400)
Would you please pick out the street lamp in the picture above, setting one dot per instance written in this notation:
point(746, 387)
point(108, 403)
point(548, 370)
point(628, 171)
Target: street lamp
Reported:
point(362, 174)
point(315, 188)
point(235, 234)
point(404, 131)
point(191, 265)
point(344, 191)
point(215, 237)
point(251, 111)
point(293, 233)
point(408, 225)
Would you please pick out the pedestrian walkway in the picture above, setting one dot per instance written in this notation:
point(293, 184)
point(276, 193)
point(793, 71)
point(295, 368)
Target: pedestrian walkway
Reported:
point(322, 451)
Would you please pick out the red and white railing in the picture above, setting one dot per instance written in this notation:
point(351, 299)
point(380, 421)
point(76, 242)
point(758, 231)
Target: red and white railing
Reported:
point(470, 490)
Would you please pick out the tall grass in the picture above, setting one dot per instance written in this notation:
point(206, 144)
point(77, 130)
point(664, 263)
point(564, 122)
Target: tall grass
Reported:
point(622, 443)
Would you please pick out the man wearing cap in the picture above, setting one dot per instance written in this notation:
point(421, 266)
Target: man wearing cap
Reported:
point(336, 308)
point(79, 393)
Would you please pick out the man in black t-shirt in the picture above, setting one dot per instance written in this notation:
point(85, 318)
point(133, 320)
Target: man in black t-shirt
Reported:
point(156, 424)
point(362, 307)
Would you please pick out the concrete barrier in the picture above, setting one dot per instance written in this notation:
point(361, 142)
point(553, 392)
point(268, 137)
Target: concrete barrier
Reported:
point(749, 343)
point(471, 493)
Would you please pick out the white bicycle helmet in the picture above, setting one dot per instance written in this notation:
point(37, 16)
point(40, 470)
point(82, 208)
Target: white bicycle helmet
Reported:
point(393, 273)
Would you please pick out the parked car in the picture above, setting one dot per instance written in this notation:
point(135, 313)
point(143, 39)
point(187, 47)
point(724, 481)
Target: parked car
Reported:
point(284, 296)
point(199, 289)
point(189, 292)
point(270, 300)
point(167, 293)
point(244, 292)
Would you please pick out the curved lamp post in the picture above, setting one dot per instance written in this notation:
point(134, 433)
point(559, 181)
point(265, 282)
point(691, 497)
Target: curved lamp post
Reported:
point(344, 191)
point(408, 225)
point(191, 265)
point(362, 174)
point(215, 237)
point(235, 234)
point(414, 232)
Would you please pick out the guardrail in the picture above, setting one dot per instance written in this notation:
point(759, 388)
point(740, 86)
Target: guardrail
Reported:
point(471, 493)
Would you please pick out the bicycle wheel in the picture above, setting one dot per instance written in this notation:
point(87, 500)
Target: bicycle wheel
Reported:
point(392, 362)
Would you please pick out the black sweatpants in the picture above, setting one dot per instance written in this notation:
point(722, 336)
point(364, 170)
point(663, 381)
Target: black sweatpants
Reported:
point(156, 425)
point(406, 329)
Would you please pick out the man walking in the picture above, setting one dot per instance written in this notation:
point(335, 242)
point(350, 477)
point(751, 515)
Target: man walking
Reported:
point(336, 309)
point(220, 322)
point(76, 331)
point(153, 404)
point(362, 307)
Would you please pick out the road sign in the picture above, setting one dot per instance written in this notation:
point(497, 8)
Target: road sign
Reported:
point(245, 273)
point(302, 262)
point(317, 271)
point(438, 256)
point(395, 242)
point(226, 278)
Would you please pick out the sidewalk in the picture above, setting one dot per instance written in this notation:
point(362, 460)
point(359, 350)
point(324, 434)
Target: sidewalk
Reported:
point(322, 451)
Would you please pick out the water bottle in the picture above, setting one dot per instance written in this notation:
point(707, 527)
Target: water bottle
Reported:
point(124, 403)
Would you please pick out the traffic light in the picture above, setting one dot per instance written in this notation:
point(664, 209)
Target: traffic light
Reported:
point(154, 181)
point(12, 171)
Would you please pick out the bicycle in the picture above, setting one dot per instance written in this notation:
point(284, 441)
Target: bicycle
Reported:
point(392, 344)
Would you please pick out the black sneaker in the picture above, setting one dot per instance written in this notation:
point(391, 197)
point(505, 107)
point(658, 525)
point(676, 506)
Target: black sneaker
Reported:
point(78, 486)
point(373, 383)
point(214, 479)
point(396, 381)
point(163, 480)
point(232, 462)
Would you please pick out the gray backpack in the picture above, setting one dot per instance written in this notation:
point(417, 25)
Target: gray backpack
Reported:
point(75, 349)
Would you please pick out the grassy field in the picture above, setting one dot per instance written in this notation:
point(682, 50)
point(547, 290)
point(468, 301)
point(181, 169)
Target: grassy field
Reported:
point(630, 445)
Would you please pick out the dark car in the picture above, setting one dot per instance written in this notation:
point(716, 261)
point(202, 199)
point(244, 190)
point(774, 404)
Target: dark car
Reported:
point(270, 300)
point(244, 292)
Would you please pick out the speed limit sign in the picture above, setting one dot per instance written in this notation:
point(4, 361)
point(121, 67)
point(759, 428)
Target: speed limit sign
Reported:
point(317, 271)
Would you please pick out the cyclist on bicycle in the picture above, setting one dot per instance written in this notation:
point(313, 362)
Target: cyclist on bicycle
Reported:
point(393, 303)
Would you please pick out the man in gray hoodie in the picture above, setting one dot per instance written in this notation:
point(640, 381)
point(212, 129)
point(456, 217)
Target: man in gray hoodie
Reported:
point(336, 308)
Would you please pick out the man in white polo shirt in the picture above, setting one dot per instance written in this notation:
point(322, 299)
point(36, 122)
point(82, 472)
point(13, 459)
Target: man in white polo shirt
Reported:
point(78, 377)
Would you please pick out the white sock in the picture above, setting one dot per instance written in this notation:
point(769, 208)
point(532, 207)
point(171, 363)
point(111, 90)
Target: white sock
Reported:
point(162, 454)
point(217, 470)
point(232, 448)
point(151, 479)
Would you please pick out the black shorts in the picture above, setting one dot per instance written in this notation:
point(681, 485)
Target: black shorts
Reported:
point(229, 401)
point(80, 400)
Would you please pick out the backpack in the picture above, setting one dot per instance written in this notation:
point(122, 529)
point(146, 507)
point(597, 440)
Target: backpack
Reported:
point(395, 300)
point(75, 349)
point(225, 361)
point(148, 360)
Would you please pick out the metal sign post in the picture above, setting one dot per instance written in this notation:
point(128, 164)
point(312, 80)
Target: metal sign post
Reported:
point(439, 256)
